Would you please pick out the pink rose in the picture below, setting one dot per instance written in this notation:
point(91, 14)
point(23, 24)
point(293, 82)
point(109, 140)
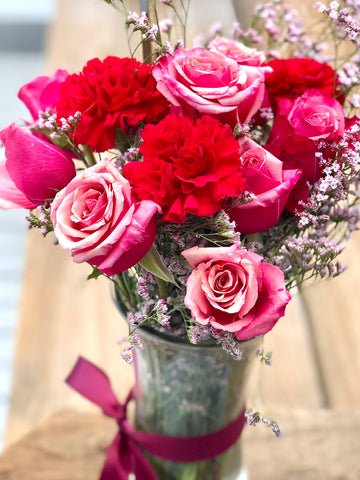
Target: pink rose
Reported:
point(42, 92)
point(270, 185)
point(96, 218)
point(237, 51)
point(37, 168)
point(298, 127)
point(202, 82)
point(10, 195)
point(233, 290)
point(315, 115)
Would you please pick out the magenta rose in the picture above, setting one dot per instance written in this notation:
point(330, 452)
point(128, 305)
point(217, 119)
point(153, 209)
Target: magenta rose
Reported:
point(37, 168)
point(42, 92)
point(315, 115)
point(234, 290)
point(268, 183)
point(97, 219)
point(10, 195)
point(202, 82)
point(238, 51)
point(298, 127)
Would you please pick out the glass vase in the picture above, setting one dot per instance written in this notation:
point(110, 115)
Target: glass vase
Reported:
point(190, 390)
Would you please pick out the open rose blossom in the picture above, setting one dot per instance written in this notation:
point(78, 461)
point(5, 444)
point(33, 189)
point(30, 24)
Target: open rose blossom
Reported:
point(42, 92)
point(268, 182)
point(96, 218)
point(188, 167)
point(234, 290)
point(298, 127)
point(238, 51)
point(37, 168)
point(117, 93)
point(202, 82)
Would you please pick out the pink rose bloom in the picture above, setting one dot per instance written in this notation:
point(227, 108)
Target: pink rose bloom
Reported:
point(37, 168)
point(298, 127)
point(202, 82)
point(315, 115)
point(233, 290)
point(10, 195)
point(237, 51)
point(42, 92)
point(97, 219)
point(270, 185)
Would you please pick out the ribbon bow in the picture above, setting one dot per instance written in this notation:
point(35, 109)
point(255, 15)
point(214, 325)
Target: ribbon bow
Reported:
point(125, 454)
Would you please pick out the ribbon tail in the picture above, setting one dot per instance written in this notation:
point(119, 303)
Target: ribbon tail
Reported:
point(114, 465)
point(124, 457)
point(142, 468)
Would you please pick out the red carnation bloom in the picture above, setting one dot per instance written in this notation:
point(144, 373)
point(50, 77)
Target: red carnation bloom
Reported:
point(291, 77)
point(188, 167)
point(115, 93)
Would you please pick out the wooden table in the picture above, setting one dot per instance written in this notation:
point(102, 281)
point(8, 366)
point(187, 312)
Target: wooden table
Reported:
point(315, 445)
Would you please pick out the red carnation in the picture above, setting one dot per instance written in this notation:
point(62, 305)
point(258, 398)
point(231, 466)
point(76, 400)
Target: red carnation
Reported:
point(110, 94)
point(291, 77)
point(188, 167)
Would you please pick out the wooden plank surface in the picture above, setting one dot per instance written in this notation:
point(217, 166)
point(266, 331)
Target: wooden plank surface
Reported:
point(333, 309)
point(315, 445)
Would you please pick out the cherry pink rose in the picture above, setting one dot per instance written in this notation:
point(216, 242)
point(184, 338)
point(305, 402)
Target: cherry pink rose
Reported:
point(10, 195)
point(268, 183)
point(97, 219)
point(37, 168)
point(202, 82)
point(234, 290)
point(42, 92)
point(315, 115)
point(239, 52)
point(298, 127)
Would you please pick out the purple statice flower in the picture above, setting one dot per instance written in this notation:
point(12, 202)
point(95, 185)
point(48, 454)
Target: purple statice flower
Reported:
point(266, 114)
point(165, 25)
point(347, 25)
point(160, 312)
point(253, 418)
point(140, 22)
point(228, 342)
point(132, 154)
point(128, 354)
point(249, 36)
point(136, 319)
point(152, 33)
point(349, 75)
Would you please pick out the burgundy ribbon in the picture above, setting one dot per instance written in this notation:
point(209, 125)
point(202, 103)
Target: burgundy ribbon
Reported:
point(125, 454)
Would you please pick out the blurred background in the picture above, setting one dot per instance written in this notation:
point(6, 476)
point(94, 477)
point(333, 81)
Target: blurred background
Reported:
point(23, 27)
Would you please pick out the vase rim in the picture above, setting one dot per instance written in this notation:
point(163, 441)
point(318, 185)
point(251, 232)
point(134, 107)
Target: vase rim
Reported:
point(151, 332)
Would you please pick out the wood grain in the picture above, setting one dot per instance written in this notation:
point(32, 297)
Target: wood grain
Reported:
point(315, 445)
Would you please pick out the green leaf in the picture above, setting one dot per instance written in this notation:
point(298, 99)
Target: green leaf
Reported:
point(153, 263)
point(95, 273)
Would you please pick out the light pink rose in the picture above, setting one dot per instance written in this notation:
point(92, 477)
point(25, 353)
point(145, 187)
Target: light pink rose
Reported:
point(270, 185)
point(42, 92)
point(238, 51)
point(97, 219)
point(36, 167)
point(10, 196)
point(202, 82)
point(233, 290)
point(315, 115)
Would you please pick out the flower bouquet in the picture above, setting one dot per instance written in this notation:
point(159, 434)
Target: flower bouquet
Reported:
point(206, 183)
